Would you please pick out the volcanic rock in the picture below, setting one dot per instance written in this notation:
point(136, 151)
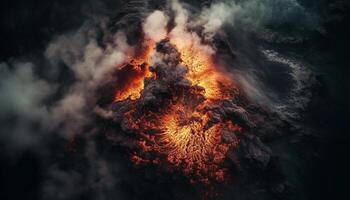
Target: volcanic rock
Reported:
point(255, 152)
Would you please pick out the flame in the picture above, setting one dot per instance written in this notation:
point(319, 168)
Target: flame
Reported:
point(182, 134)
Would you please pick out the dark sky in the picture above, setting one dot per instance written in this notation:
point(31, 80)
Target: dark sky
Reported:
point(29, 25)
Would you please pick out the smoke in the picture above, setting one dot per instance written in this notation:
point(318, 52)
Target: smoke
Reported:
point(253, 88)
point(214, 17)
point(25, 93)
point(181, 34)
point(92, 66)
point(155, 26)
point(99, 178)
point(38, 107)
point(250, 15)
point(259, 14)
point(22, 105)
point(259, 17)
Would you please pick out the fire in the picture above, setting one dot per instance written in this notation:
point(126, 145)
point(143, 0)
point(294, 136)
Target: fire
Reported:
point(202, 71)
point(183, 131)
point(132, 74)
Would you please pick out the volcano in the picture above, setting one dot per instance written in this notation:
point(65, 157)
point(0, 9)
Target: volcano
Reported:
point(171, 99)
point(177, 117)
point(179, 109)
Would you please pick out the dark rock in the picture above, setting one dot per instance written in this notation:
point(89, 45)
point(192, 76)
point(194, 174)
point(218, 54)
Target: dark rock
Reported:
point(228, 137)
point(255, 152)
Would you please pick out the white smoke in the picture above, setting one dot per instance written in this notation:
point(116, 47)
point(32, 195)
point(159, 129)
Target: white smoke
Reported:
point(251, 15)
point(91, 69)
point(25, 94)
point(155, 26)
point(37, 108)
point(180, 34)
point(214, 17)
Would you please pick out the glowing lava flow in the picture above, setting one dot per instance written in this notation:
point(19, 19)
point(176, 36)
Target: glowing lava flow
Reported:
point(202, 72)
point(194, 146)
point(183, 131)
point(132, 74)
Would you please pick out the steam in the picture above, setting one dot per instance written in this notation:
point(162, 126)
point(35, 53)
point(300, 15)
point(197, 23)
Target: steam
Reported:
point(91, 69)
point(23, 97)
point(155, 26)
point(43, 109)
point(26, 94)
point(180, 34)
point(217, 15)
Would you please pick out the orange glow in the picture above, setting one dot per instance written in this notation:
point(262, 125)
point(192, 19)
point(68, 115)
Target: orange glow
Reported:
point(187, 141)
point(202, 72)
point(194, 146)
point(182, 134)
point(132, 74)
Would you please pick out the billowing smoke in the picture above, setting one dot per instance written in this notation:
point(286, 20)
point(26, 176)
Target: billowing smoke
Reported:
point(39, 109)
point(155, 26)
point(66, 96)
point(245, 16)
point(24, 96)
point(90, 65)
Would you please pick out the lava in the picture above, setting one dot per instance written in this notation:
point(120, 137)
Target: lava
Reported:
point(131, 75)
point(172, 110)
point(193, 145)
point(202, 71)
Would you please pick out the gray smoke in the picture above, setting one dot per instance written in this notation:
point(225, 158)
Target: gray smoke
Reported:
point(23, 95)
point(91, 65)
point(36, 109)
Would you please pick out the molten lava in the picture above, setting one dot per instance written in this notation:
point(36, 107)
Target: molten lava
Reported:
point(202, 72)
point(175, 116)
point(193, 145)
point(131, 75)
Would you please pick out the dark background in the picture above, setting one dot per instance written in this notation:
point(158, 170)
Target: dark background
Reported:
point(27, 26)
